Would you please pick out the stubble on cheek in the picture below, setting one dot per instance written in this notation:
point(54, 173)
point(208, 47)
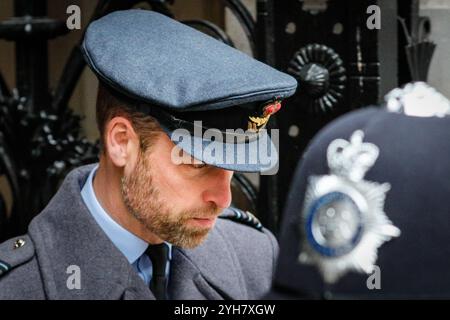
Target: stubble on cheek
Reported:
point(144, 202)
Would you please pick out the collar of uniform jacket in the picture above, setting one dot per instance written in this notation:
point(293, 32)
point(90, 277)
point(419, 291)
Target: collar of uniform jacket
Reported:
point(65, 234)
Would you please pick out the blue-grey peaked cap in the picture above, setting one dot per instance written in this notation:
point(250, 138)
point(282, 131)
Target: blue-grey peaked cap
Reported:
point(164, 62)
point(161, 62)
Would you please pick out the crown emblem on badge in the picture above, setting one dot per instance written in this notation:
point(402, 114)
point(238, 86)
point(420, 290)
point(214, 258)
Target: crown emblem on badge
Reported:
point(351, 159)
point(343, 220)
point(258, 122)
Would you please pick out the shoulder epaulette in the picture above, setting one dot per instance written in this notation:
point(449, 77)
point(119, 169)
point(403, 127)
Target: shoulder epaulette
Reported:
point(14, 252)
point(244, 217)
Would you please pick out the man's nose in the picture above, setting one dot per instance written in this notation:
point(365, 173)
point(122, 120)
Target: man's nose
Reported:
point(219, 188)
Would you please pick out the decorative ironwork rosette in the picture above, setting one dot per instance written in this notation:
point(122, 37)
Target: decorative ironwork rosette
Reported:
point(321, 76)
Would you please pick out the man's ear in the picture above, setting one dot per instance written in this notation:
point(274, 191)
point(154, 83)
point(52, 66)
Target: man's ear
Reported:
point(121, 141)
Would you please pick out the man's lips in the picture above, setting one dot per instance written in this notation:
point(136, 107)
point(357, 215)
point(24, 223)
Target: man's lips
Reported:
point(205, 222)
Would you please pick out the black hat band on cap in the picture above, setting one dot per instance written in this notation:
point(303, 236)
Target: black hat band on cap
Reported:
point(171, 122)
point(224, 121)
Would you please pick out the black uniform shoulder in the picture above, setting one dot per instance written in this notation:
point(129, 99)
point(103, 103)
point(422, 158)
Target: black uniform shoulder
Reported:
point(15, 252)
point(240, 216)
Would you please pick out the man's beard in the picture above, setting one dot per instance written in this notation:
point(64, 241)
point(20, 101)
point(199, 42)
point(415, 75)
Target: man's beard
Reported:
point(144, 202)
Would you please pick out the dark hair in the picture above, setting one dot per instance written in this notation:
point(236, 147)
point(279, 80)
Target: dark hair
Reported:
point(110, 105)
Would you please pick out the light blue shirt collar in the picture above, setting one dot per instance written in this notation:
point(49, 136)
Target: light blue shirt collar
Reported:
point(130, 245)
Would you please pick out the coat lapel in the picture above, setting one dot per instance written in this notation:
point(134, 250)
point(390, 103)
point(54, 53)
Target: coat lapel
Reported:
point(210, 271)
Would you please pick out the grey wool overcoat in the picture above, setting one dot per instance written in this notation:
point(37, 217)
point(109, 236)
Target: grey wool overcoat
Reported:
point(236, 261)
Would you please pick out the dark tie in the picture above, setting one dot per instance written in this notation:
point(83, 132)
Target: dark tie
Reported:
point(159, 255)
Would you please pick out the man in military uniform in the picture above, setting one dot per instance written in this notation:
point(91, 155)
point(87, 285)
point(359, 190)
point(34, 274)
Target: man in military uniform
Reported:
point(368, 212)
point(143, 223)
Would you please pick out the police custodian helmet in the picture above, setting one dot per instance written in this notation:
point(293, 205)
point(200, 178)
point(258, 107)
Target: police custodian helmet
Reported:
point(368, 213)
